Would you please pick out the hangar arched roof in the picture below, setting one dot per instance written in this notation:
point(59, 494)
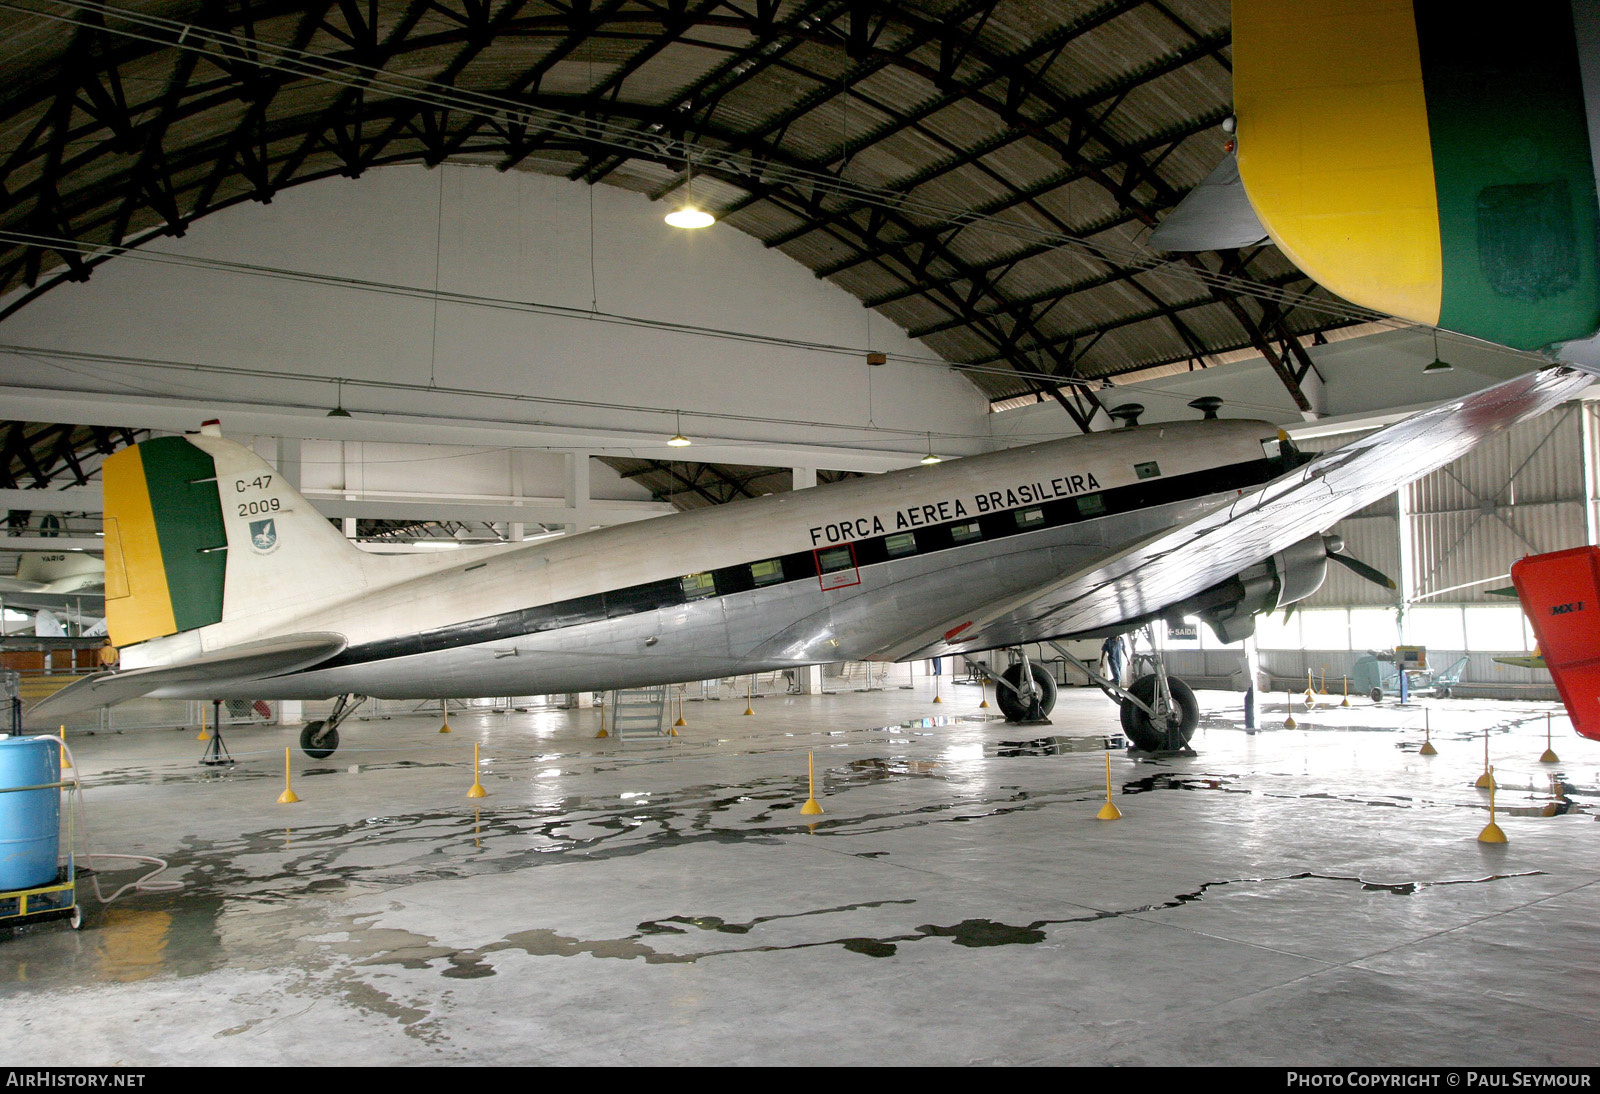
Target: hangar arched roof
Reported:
point(981, 172)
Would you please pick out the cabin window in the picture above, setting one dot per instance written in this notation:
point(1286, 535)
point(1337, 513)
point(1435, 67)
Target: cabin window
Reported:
point(769, 572)
point(1029, 518)
point(1091, 505)
point(696, 586)
point(902, 543)
point(966, 533)
point(834, 559)
point(1147, 470)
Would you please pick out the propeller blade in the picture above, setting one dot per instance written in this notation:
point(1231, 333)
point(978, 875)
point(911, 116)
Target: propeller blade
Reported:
point(1376, 576)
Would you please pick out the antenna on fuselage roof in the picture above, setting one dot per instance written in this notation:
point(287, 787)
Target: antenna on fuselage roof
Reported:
point(1127, 414)
point(1207, 405)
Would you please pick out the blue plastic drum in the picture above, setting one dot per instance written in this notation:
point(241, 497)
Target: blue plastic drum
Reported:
point(30, 820)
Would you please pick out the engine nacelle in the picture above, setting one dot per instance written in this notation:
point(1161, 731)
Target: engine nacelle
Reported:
point(1291, 575)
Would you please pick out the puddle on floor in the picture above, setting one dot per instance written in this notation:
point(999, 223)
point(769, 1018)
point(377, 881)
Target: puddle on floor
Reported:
point(1060, 746)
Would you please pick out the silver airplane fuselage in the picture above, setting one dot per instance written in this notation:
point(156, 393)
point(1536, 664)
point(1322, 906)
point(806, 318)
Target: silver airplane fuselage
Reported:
point(872, 568)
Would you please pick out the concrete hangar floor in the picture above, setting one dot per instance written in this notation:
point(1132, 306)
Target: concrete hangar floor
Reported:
point(1306, 896)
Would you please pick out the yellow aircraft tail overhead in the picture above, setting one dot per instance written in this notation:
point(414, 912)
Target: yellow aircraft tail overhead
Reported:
point(1426, 160)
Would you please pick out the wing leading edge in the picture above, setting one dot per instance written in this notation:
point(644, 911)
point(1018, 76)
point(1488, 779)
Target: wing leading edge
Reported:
point(1150, 576)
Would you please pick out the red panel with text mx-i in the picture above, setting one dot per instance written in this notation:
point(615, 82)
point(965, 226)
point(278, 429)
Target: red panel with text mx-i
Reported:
point(1560, 593)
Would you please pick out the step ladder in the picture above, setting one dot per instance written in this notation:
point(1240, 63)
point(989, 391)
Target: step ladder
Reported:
point(639, 712)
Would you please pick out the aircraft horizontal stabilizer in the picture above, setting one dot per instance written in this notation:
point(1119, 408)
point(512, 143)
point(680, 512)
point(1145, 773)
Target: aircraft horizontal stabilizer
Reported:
point(271, 657)
point(1215, 215)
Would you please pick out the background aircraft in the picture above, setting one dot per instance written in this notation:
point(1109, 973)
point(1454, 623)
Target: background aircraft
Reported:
point(1560, 593)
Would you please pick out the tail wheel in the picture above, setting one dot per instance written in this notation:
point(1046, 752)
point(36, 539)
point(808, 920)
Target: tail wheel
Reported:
point(1143, 730)
point(317, 744)
point(1044, 694)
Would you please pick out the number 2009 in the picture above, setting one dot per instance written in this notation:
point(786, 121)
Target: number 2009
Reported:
point(252, 508)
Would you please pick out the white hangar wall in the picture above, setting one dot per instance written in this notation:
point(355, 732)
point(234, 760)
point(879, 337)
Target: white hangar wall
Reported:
point(523, 239)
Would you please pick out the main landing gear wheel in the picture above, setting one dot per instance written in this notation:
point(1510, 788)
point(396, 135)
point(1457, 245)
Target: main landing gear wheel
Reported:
point(1043, 699)
point(1143, 731)
point(318, 743)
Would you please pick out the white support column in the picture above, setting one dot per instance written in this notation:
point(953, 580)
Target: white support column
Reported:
point(288, 462)
point(349, 523)
point(578, 489)
point(1408, 576)
point(1591, 498)
point(1316, 394)
point(515, 530)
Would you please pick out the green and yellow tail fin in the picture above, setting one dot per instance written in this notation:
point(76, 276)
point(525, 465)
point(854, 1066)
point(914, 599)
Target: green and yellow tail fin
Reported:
point(1426, 160)
point(199, 531)
point(166, 549)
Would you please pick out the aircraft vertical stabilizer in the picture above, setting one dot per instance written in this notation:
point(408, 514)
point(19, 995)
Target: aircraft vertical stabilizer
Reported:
point(165, 544)
point(200, 531)
point(1560, 593)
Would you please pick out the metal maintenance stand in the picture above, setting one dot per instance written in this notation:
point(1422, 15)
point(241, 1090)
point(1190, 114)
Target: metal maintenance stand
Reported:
point(216, 754)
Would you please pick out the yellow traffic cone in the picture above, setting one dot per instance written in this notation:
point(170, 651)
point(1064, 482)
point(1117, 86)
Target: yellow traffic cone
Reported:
point(1289, 722)
point(602, 732)
point(1549, 756)
point(983, 690)
point(1346, 692)
point(202, 735)
point(444, 708)
point(811, 808)
point(1108, 811)
point(477, 790)
point(1491, 832)
point(1486, 780)
point(288, 797)
point(1427, 748)
point(750, 696)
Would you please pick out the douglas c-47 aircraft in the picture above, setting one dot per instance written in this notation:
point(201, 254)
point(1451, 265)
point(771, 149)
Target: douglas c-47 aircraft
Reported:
point(1414, 161)
point(222, 582)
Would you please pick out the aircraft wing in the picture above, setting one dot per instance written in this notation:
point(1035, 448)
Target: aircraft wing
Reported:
point(18, 585)
point(1175, 565)
point(270, 657)
point(88, 603)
